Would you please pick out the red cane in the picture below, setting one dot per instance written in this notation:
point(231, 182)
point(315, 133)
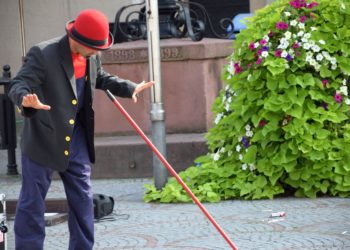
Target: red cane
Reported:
point(170, 169)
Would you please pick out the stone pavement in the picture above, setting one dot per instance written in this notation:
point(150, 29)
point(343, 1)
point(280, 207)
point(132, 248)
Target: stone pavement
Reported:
point(310, 224)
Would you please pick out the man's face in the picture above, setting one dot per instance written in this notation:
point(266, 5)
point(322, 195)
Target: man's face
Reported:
point(85, 51)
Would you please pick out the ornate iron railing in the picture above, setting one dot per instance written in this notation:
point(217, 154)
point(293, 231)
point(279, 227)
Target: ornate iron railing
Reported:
point(177, 19)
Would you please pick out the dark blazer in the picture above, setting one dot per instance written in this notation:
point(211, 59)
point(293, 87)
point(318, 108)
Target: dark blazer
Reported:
point(48, 72)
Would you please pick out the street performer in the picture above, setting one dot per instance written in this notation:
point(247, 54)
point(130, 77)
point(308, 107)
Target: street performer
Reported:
point(54, 91)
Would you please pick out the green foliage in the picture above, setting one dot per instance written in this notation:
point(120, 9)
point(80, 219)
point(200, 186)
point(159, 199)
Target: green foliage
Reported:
point(282, 120)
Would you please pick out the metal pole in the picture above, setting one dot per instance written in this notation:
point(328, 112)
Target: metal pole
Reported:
point(10, 125)
point(23, 35)
point(160, 173)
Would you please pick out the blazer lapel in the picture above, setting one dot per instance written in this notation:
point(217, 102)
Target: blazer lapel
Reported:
point(67, 63)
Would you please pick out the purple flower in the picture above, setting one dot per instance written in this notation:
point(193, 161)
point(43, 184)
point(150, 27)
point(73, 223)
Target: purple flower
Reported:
point(245, 142)
point(265, 48)
point(325, 106)
point(337, 97)
point(282, 26)
point(289, 58)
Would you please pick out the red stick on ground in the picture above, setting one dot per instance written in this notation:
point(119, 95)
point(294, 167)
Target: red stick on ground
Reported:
point(170, 169)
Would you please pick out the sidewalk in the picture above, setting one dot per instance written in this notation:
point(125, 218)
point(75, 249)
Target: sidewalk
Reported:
point(310, 224)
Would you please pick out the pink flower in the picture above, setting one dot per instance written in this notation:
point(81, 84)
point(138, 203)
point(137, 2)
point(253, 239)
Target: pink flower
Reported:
point(302, 19)
point(311, 5)
point(262, 123)
point(278, 53)
point(258, 62)
point(337, 97)
point(263, 42)
point(282, 26)
point(270, 34)
point(238, 68)
point(251, 46)
point(297, 4)
point(324, 82)
point(260, 51)
point(297, 53)
point(296, 45)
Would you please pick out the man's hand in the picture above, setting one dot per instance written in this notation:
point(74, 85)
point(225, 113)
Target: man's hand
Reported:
point(32, 101)
point(140, 87)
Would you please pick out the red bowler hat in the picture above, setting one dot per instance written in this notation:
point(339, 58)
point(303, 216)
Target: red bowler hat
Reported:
point(91, 29)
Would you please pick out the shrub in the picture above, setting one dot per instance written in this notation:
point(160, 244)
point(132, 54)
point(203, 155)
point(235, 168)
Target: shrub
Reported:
point(282, 120)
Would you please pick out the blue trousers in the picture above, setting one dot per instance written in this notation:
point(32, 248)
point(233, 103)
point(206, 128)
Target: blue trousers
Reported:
point(29, 223)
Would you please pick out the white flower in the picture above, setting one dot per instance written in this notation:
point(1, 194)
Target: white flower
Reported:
point(301, 26)
point(319, 57)
point(256, 44)
point(284, 54)
point(344, 90)
point(326, 55)
point(264, 54)
point(286, 66)
point(317, 67)
point(308, 58)
point(249, 76)
point(306, 46)
point(216, 156)
point(307, 35)
point(316, 48)
point(227, 107)
point(240, 138)
point(286, 13)
point(304, 40)
point(238, 148)
point(312, 42)
point(218, 118)
point(347, 101)
point(240, 157)
point(249, 133)
point(222, 150)
point(313, 28)
point(229, 100)
point(344, 81)
point(288, 34)
point(284, 122)
point(322, 42)
point(300, 33)
point(229, 153)
point(333, 60)
point(227, 87)
point(334, 67)
point(293, 22)
point(266, 38)
point(251, 167)
point(244, 166)
point(313, 62)
point(247, 127)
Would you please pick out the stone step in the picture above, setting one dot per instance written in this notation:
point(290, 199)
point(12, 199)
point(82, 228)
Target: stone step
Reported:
point(131, 157)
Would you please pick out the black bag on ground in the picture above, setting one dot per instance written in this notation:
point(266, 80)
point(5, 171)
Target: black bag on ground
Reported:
point(103, 205)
